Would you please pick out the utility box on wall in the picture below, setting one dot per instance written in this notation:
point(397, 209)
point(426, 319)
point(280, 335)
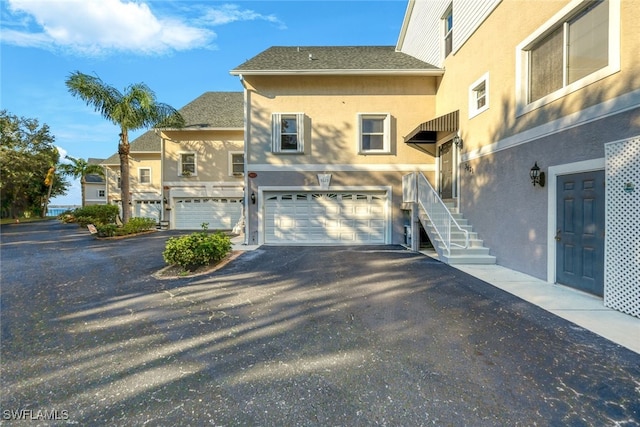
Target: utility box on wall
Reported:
point(622, 225)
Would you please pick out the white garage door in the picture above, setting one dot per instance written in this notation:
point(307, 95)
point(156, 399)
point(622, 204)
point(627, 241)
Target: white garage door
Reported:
point(219, 213)
point(148, 209)
point(325, 218)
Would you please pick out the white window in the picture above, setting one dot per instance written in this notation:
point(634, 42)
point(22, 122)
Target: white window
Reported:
point(101, 193)
point(288, 132)
point(479, 96)
point(578, 46)
point(144, 175)
point(236, 163)
point(118, 181)
point(187, 165)
point(374, 133)
point(447, 21)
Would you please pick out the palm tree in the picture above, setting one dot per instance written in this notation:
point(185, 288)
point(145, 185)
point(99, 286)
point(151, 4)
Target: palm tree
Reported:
point(134, 109)
point(79, 169)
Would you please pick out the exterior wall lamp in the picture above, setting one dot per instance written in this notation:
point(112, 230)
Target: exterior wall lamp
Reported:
point(253, 198)
point(457, 141)
point(537, 177)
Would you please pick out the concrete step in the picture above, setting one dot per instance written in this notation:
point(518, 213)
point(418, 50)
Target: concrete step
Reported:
point(468, 259)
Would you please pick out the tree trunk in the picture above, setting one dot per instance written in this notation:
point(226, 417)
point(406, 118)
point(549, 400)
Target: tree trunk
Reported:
point(83, 183)
point(123, 151)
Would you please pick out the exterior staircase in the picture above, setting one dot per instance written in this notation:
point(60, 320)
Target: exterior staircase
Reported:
point(474, 253)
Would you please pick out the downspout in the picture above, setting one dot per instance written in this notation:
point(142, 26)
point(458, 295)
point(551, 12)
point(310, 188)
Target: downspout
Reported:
point(246, 157)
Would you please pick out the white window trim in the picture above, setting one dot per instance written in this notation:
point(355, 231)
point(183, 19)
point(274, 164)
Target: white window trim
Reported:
point(231, 154)
point(446, 32)
point(276, 125)
point(386, 148)
point(522, 54)
point(195, 162)
point(140, 176)
point(101, 194)
point(473, 100)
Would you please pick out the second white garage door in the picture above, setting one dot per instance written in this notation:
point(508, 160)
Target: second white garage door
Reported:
point(218, 213)
point(325, 218)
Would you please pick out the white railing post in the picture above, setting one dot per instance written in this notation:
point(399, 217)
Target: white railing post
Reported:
point(441, 219)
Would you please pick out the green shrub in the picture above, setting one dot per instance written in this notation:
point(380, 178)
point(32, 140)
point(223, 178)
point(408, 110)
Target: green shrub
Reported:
point(83, 221)
point(196, 249)
point(137, 225)
point(106, 230)
point(101, 214)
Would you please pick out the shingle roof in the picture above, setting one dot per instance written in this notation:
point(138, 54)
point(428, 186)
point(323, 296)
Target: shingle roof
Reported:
point(215, 110)
point(148, 142)
point(209, 110)
point(325, 59)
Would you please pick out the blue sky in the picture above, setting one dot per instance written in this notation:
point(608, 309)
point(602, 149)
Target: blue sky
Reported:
point(179, 48)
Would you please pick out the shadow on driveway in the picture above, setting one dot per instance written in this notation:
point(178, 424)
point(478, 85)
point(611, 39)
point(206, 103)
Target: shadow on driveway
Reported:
point(288, 336)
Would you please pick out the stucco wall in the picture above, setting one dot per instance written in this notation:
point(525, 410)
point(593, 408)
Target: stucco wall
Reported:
point(212, 149)
point(492, 49)
point(507, 211)
point(331, 105)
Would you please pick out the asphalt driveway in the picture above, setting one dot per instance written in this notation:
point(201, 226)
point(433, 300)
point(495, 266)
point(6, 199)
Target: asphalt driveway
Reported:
point(286, 336)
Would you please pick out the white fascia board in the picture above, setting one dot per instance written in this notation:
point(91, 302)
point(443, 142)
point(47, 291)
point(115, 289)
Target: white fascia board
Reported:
point(435, 72)
point(341, 168)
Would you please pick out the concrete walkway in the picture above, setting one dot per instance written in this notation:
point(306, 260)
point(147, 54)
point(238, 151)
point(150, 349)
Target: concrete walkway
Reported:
point(585, 310)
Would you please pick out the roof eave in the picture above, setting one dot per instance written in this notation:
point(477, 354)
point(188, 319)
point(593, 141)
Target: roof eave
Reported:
point(437, 72)
point(225, 129)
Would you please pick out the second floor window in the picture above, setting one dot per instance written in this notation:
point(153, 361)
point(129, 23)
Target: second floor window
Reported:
point(187, 164)
point(448, 31)
point(374, 133)
point(479, 96)
point(288, 133)
point(574, 49)
point(237, 163)
point(144, 176)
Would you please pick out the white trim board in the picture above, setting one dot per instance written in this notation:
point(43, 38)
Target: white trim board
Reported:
point(264, 167)
point(626, 102)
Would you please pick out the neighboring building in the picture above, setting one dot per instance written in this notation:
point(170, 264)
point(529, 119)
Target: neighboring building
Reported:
point(553, 84)
point(203, 164)
point(324, 146)
point(145, 176)
point(95, 187)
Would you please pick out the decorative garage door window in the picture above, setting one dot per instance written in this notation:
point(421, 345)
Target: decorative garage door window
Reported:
point(325, 218)
point(218, 213)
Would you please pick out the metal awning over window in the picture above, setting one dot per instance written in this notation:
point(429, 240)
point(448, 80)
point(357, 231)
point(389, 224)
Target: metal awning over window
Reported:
point(427, 132)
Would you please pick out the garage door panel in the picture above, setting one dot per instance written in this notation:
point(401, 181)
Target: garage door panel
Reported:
point(219, 214)
point(330, 218)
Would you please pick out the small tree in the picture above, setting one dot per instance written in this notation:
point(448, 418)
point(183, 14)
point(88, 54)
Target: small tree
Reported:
point(27, 156)
point(135, 108)
point(79, 169)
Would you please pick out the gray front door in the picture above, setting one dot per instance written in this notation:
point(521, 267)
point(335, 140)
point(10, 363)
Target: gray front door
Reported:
point(580, 231)
point(446, 170)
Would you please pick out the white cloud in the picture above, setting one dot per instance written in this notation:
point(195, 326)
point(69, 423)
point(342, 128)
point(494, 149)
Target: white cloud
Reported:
point(102, 27)
point(96, 27)
point(228, 13)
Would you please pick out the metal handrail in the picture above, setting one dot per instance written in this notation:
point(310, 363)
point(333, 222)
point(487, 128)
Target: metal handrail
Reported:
point(439, 215)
